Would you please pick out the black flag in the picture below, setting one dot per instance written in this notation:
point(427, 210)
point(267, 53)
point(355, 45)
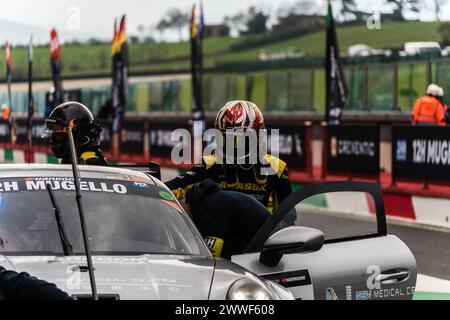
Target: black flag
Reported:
point(197, 66)
point(336, 89)
point(198, 114)
point(55, 61)
point(30, 99)
point(120, 74)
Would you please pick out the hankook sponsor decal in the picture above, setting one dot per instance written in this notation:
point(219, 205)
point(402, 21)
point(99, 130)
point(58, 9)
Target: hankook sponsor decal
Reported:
point(290, 279)
point(298, 282)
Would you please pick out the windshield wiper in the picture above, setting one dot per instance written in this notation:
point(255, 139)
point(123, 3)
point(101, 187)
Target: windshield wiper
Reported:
point(67, 247)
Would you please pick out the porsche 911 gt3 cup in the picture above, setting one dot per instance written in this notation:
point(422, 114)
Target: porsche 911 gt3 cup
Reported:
point(144, 245)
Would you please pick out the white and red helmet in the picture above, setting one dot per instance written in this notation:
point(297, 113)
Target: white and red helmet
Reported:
point(239, 114)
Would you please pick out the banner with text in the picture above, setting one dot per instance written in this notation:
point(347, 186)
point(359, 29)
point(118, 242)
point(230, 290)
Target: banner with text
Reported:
point(160, 137)
point(421, 152)
point(5, 133)
point(21, 131)
point(291, 144)
point(354, 149)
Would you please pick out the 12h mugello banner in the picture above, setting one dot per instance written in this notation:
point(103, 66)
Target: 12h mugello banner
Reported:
point(354, 149)
point(421, 152)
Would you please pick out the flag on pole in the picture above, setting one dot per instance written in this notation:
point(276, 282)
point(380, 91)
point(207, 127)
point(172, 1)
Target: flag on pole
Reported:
point(115, 57)
point(30, 85)
point(30, 99)
point(8, 70)
point(336, 88)
point(198, 114)
point(202, 22)
point(119, 92)
point(201, 29)
point(196, 67)
point(55, 61)
point(125, 67)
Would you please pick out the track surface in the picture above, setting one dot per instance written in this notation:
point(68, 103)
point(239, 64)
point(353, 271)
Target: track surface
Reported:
point(430, 248)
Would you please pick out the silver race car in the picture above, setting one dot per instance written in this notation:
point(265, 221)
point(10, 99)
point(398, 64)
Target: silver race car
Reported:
point(144, 245)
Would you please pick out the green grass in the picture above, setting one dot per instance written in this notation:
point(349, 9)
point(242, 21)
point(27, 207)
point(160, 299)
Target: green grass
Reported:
point(391, 35)
point(96, 59)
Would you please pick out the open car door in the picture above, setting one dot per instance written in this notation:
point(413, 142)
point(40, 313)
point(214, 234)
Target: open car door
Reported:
point(313, 264)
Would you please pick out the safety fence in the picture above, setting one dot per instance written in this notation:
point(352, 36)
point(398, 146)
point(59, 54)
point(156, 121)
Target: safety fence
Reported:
point(420, 154)
point(372, 87)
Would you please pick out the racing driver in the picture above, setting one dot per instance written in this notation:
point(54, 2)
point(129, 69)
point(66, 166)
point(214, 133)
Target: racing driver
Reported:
point(86, 134)
point(269, 188)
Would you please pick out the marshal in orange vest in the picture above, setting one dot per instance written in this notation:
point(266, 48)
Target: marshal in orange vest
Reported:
point(428, 110)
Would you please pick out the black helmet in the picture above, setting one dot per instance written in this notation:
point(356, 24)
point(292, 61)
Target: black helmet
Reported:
point(86, 130)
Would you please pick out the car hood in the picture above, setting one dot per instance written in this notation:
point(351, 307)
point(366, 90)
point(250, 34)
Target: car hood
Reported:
point(126, 277)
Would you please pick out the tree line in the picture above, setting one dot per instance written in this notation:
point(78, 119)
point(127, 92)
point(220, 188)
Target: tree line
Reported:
point(258, 20)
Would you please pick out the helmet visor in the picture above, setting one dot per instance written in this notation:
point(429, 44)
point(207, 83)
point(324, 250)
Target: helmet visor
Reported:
point(239, 144)
point(53, 127)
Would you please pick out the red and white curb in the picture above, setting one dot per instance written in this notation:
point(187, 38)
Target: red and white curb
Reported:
point(427, 211)
point(418, 209)
point(407, 208)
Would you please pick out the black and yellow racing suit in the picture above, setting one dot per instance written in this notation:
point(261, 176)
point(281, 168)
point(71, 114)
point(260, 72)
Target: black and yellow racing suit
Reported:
point(92, 158)
point(269, 189)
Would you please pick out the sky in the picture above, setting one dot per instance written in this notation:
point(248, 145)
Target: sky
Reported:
point(94, 18)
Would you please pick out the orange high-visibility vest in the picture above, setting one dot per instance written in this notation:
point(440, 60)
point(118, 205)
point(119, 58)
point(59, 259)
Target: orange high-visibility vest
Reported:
point(6, 113)
point(428, 109)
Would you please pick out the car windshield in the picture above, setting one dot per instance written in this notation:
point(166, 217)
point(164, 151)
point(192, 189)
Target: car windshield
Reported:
point(122, 217)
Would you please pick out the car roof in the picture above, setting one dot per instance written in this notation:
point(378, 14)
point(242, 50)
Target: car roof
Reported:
point(60, 170)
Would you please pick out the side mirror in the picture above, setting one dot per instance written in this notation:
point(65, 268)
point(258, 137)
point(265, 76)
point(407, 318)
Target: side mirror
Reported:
point(290, 240)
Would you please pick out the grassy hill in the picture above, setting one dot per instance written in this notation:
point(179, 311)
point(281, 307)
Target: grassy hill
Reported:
point(391, 35)
point(95, 59)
